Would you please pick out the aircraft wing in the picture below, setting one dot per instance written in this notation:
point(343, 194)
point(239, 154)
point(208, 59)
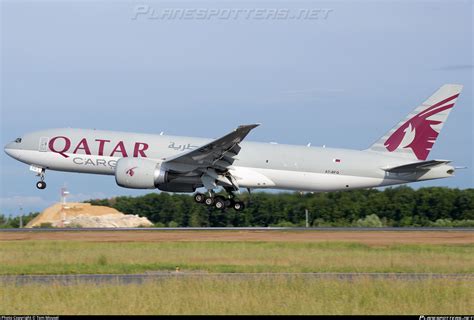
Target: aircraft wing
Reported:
point(415, 166)
point(217, 154)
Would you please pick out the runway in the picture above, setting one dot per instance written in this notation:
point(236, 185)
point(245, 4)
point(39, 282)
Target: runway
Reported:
point(100, 279)
point(302, 229)
point(368, 236)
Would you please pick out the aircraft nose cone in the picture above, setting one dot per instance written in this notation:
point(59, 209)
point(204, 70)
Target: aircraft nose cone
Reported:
point(9, 149)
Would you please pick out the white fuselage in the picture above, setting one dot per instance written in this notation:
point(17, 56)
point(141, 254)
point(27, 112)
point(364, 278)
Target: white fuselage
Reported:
point(258, 165)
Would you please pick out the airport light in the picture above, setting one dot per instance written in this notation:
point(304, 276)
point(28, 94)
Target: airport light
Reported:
point(21, 216)
point(64, 194)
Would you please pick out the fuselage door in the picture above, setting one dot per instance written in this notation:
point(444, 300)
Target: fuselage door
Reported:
point(43, 144)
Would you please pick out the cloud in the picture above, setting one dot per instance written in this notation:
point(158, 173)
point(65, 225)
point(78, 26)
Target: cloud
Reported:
point(26, 202)
point(11, 205)
point(311, 91)
point(79, 197)
point(456, 67)
point(310, 94)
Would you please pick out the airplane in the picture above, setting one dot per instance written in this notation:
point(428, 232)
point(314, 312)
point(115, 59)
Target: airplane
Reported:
point(184, 164)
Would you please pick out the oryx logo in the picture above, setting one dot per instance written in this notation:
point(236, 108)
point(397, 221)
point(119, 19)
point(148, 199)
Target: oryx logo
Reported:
point(130, 171)
point(418, 132)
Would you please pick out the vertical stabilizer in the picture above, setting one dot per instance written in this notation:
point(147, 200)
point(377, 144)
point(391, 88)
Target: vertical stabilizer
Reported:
point(414, 136)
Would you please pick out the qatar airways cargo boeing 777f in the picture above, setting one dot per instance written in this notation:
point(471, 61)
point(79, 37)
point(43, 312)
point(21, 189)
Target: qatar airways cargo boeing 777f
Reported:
point(183, 164)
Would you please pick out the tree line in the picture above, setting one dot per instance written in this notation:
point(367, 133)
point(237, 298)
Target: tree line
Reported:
point(397, 207)
point(393, 207)
point(14, 222)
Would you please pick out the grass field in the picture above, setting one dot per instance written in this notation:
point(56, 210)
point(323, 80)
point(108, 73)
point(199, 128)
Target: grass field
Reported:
point(69, 257)
point(137, 252)
point(264, 296)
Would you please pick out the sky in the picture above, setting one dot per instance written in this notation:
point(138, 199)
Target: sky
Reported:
point(339, 74)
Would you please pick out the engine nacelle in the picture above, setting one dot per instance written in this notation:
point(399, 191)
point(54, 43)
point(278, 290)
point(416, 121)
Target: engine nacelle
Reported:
point(139, 173)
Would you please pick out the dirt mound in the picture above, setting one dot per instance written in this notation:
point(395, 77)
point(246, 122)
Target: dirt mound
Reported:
point(87, 216)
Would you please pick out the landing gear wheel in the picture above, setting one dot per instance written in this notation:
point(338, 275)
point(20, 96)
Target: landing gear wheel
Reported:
point(199, 197)
point(229, 203)
point(239, 205)
point(219, 202)
point(41, 185)
point(209, 201)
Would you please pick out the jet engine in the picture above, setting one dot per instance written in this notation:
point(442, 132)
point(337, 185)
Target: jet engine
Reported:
point(140, 173)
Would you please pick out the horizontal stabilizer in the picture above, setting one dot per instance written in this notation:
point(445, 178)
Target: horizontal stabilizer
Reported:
point(415, 166)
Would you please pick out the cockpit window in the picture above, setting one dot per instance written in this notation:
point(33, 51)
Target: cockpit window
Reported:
point(18, 140)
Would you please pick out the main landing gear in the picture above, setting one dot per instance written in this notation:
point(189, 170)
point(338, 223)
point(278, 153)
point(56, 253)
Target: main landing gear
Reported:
point(41, 184)
point(219, 202)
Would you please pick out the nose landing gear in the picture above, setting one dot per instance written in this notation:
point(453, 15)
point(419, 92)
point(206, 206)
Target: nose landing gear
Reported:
point(41, 184)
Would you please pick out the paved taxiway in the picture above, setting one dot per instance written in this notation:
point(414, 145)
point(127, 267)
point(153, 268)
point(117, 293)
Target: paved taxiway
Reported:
point(146, 277)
